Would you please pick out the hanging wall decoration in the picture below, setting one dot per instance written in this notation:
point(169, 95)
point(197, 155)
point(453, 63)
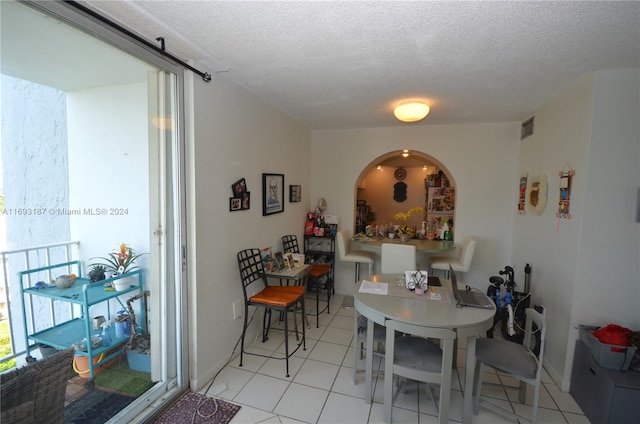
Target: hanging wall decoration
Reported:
point(399, 192)
point(522, 194)
point(564, 203)
point(537, 194)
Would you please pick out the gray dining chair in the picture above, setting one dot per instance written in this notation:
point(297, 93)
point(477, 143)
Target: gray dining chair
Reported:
point(414, 357)
point(515, 360)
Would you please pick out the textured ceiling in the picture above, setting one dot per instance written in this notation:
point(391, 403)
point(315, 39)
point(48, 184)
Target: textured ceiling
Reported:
point(334, 65)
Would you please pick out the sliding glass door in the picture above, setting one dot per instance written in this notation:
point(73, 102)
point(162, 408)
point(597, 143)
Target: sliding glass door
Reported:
point(121, 152)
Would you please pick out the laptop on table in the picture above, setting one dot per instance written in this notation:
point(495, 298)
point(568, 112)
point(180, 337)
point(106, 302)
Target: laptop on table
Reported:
point(473, 299)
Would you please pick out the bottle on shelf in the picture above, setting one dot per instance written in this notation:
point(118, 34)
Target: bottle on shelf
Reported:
point(106, 337)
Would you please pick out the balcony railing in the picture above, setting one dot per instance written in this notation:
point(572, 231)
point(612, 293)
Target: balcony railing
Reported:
point(15, 261)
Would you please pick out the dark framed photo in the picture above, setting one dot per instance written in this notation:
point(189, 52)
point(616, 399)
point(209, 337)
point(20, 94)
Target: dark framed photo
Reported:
point(272, 193)
point(235, 204)
point(239, 187)
point(295, 193)
point(246, 200)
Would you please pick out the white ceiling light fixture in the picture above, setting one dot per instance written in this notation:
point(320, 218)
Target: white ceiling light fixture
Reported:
point(411, 111)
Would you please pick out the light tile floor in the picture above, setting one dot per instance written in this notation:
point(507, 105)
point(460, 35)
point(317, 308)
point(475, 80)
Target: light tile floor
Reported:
point(320, 388)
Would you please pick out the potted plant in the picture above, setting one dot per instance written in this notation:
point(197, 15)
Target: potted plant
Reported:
point(405, 231)
point(120, 262)
point(97, 273)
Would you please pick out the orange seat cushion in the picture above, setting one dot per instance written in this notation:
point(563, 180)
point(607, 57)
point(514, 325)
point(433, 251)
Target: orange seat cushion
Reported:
point(278, 296)
point(319, 270)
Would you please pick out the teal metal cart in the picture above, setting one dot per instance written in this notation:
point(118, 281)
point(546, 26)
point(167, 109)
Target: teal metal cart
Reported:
point(64, 333)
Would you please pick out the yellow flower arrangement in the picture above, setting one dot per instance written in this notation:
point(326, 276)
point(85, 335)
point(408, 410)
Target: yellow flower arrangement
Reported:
point(404, 217)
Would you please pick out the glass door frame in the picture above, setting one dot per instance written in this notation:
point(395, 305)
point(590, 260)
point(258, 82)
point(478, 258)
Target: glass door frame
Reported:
point(174, 363)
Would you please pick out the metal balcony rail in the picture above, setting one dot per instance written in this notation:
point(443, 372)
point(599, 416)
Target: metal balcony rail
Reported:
point(15, 261)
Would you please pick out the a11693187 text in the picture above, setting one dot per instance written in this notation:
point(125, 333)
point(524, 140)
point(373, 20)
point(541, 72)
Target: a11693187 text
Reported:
point(65, 211)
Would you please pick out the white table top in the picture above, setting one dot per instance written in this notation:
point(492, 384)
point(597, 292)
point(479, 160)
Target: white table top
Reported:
point(422, 246)
point(289, 274)
point(403, 305)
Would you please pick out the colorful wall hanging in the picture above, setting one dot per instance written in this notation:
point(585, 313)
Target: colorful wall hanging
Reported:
point(537, 194)
point(564, 203)
point(522, 194)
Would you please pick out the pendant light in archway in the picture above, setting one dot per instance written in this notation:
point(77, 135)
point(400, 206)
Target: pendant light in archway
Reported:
point(411, 111)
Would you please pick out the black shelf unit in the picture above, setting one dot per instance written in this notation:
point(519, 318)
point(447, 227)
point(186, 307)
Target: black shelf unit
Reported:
point(321, 250)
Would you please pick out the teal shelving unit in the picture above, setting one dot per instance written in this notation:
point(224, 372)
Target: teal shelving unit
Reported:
point(84, 294)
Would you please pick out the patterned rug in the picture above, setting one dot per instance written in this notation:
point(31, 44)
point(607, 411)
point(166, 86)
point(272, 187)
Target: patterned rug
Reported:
point(211, 410)
point(96, 407)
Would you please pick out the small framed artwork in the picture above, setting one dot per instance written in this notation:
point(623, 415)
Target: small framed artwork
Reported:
point(272, 194)
point(290, 262)
point(295, 193)
point(239, 187)
point(235, 204)
point(278, 262)
point(246, 200)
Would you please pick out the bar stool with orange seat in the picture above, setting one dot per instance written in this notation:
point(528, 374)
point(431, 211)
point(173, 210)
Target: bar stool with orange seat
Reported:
point(279, 298)
point(319, 277)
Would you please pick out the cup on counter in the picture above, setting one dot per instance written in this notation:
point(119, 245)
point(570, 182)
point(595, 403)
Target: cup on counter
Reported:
point(97, 322)
point(392, 235)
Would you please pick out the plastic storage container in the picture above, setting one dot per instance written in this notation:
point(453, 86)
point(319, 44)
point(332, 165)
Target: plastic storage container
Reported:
point(139, 361)
point(607, 355)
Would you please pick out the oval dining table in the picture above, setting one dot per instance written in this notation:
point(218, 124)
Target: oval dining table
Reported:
point(385, 298)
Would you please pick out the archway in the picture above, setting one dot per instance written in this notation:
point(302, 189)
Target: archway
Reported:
point(392, 183)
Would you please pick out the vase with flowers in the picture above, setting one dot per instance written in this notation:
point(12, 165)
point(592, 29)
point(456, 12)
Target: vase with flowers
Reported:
point(405, 231)
point(120, 262)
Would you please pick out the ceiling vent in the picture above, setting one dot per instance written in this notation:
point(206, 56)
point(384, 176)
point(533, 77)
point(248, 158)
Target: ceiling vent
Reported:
point(526, 129)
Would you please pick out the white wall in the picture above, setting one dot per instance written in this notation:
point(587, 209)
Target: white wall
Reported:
point(607, 281)
point(109, 169)
point(234, 136)
point(379, 193)
point(593, 127)
point(109, 175)
point(34, 157)
point(480, 158)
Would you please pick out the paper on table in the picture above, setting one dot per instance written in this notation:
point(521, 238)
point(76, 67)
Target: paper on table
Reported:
point(374, 288)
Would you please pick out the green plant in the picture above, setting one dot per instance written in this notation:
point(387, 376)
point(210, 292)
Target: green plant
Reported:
point(5, 345)
point(97, 272)
point(120, 261)
point(404, 217)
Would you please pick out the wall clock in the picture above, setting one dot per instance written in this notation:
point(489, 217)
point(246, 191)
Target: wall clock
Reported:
point(400, 174)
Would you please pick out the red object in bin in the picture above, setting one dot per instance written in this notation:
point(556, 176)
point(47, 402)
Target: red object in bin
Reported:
point(614, 335)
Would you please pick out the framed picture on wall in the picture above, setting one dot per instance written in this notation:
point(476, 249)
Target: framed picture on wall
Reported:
point(295, 193)
point(235, 204)
point(239, 187)
point(246, 200)
point(272, 193)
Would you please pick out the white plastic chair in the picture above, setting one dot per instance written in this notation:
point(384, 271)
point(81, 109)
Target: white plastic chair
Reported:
point(461, 263)
point(416, 358)
point(514, 360)
point(345, 254)
point(397, 258)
